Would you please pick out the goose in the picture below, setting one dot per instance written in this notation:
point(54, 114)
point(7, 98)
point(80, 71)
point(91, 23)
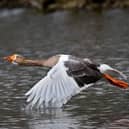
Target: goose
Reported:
point(68, 76)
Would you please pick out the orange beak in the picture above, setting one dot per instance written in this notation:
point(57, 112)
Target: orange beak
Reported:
point(115, 81)
point(10, 58)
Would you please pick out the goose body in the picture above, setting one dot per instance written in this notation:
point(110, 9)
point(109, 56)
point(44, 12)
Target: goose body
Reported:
point(68, 76)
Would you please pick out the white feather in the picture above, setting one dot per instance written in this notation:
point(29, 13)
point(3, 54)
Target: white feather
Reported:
point(55, 89)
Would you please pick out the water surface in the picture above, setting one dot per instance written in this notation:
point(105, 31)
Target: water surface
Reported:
point(103, 37)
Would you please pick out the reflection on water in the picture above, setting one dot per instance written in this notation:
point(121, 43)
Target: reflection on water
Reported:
point(52, 119)
point(103, 37)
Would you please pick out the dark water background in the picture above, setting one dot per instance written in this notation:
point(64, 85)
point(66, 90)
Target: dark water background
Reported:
point(103, 37)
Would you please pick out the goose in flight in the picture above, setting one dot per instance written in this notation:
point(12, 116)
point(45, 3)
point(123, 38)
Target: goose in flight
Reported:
point(68, 76)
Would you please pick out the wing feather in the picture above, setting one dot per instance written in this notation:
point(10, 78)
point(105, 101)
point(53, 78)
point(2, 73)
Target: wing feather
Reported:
point(55, 89)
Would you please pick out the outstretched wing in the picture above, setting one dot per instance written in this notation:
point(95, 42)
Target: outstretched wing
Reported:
point(61, 83)
point(53, 90)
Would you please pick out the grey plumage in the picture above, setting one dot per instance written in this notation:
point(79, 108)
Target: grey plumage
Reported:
point(84, 71)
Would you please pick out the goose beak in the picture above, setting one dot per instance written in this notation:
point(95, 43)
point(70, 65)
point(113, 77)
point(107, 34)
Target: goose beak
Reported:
point(10, 58)
point(7, 58)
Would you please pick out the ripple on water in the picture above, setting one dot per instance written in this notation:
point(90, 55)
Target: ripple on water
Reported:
point(81, 33)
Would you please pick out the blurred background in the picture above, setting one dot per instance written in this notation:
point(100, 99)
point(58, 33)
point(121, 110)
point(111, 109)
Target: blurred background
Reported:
point(52, 5)
point(97, 29)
